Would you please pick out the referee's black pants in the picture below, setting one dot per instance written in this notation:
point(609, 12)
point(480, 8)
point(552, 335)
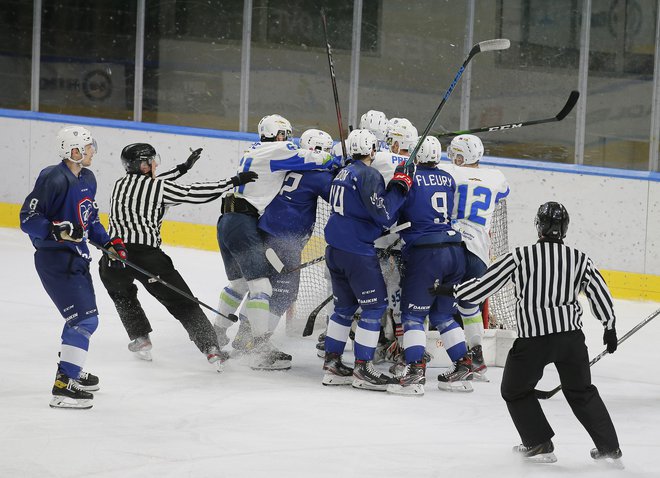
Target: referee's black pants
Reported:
point(523, 370)
point(119, 282)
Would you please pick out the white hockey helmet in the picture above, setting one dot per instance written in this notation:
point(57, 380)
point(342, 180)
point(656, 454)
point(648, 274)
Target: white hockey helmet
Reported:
point(429, 151)
point(316, 139)
point(465, 149)
point(376, 122)
point(362, 142)
point(71, 137)
point(402, 131)
point(271, 125)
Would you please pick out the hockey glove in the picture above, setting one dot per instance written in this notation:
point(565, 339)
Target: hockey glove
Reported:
point(244, 178)
point(442, 289)
point(402, 178)
point(610, 340)
point(66, 231)
point(117, 246)
point(190, 162)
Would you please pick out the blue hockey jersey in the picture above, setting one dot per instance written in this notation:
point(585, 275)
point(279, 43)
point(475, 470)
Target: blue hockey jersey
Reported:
point(428, 207)
point(292, 212)
point(59, 195)
point(361, 209)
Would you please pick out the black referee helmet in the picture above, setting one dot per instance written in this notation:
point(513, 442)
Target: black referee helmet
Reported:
point(133, 155)
point(552, 220)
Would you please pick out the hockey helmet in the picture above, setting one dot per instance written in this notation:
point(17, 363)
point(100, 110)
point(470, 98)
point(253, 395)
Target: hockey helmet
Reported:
point(134, 154)
point(552, 220)
point(316, 139)
point(465, 149)
point(74, 137)
point(429, 151)
point(376, 122)
point(361, 142)
point(272, 125)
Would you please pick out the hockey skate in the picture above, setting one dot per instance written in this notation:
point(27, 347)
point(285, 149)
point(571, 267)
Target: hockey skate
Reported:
point(267, 357)
point(217, 357)
point(141, 347)
point(542, 453)
point(611, 458)
point(320, 346)
point(366, 377)
point(389, 352)
point(458, 377)
point(411, 382)
point(336, 373)
point(88, 382)
point(67, 393)
point(479, 367)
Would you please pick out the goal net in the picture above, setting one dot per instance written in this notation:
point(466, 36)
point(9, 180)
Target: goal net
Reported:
point(315, 284)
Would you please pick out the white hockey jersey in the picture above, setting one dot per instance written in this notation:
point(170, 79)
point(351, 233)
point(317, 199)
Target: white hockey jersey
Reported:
point(478, 190)
point(385, 162)
point(272, 160)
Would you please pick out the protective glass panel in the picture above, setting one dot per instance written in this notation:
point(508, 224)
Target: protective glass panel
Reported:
point(87, 58)
point(192, 63)
point(15, 53)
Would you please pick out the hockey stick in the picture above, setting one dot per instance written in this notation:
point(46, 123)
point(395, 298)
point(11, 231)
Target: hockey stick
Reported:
point(309, 325)
point(331, 64)
point(568, 107)
point(278, 265)
point(488, 45)
point(545, 394)
point(151, 276)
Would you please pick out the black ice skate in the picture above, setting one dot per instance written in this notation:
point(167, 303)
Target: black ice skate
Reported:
point(88, 382)
point(141, 347)
point(267, 357)
point(217, 357)
point(479, 367)
point(458, 377)
point(336, 373)
point(412, 380)
point(67, 393)
point(365, 376)
point(612, 457)
point(542, 453)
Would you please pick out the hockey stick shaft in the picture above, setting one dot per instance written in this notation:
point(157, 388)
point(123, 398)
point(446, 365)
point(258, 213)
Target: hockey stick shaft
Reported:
point(331, 65)
point(145, 272)
point(309, 325)
point(568, 107)
point(488, 45)
point(545, 394)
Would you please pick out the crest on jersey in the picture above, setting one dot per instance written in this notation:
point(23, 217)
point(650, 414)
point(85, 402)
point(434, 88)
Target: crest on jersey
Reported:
point(85, 209)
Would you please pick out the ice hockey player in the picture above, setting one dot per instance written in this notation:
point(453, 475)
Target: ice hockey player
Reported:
point(549, 327)
point(59, 215)
point(241, 244)
point(376, 122)
point(137, 217)
point(478, 192)
point(361, 209)
point(433, 252)
point(401, 136)
point(288, 221)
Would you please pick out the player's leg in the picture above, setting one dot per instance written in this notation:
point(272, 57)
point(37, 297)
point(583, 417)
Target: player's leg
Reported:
point(119, 283)
point(339, 323)
point(188, 313)
point(66, 278)
point(472, 319)
point(573, 367)
point(285, 286)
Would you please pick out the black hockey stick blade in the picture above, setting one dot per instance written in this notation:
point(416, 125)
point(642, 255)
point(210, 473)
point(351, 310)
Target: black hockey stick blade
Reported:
point(568, 107)
point(544, 395)
point(155, 278)
point(309, 325)
point(488, 45)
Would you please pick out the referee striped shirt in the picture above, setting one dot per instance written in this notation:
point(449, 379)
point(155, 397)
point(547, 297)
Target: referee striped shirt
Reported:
point(139, 203)
point(547, 278)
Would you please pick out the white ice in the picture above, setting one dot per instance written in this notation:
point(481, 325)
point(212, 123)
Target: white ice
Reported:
point(177, 417)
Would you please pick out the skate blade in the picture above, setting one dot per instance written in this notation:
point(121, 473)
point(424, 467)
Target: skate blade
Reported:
point(334, 380)
point(364, 385)
point(71, 403)
point(219, 366)
point(89, 388)
point(320, 353)
point(460, 386)
point(278, 365)
point(541, 458)
point(416, 390)
point(143, 355)
point(480, 377)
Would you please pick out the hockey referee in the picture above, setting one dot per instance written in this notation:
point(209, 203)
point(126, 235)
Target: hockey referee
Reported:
point(548, 276)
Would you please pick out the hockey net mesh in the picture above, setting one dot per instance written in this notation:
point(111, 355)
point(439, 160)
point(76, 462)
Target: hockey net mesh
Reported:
point(315, 284)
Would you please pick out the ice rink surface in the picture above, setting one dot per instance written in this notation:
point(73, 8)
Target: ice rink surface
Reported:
point(177, 417)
